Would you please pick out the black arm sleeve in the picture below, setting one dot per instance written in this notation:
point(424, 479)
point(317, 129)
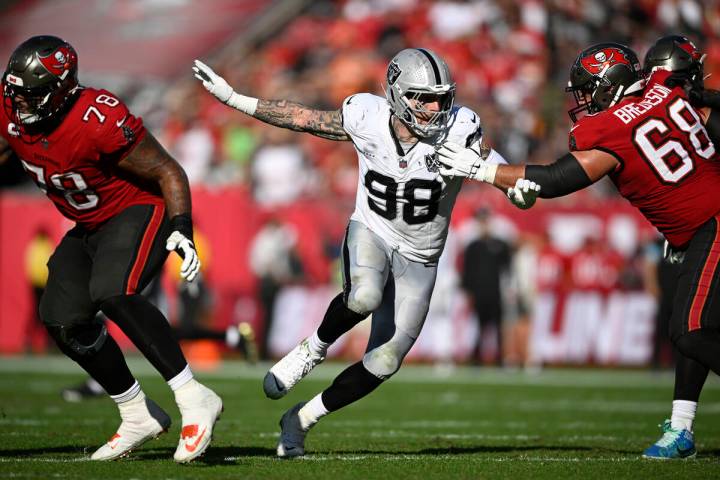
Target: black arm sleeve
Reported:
point(560, 178)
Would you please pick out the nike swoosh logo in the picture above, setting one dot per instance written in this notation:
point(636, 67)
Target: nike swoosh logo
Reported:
point(190, 447)
point(120, 122)
point(277, 384)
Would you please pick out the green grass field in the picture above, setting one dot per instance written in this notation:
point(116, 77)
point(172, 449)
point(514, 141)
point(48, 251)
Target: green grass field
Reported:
point(466, 424)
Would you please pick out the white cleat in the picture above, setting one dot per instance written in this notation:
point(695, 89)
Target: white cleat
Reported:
point(292, 435)
point(142, 420)
point(292, 368)
point(200, 409)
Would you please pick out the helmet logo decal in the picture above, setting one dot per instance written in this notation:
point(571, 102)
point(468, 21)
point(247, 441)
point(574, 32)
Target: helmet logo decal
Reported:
point(690, 48)
point(393, 73)
point(12, 79)
point(603, 59)
point(13, 130)
point(60, 61)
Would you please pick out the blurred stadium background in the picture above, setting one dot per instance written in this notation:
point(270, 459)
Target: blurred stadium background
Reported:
point(584, 282)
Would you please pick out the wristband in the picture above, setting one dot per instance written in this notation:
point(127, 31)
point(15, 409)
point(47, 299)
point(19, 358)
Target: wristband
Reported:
point(486, 173)
point(241, 102)
point(183, 224)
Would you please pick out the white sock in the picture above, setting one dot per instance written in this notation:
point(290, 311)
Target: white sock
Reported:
point(181, 378)
point(131, 393)
point(316, 345)
point(683, 414)
point(312, 411)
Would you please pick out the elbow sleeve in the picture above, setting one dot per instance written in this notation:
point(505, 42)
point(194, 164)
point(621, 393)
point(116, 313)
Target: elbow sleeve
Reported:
point(560, 178)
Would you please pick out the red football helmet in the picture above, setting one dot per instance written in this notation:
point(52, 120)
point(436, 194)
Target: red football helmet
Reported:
point(679, 55)
point(40, 80)
point(601, 75)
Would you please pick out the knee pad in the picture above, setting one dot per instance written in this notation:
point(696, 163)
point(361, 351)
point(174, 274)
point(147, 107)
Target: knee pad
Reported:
point(384, 360)
point(80, 340)
point(364, 299)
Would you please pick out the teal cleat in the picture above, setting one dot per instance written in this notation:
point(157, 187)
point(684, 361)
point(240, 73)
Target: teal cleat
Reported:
point(674, 444)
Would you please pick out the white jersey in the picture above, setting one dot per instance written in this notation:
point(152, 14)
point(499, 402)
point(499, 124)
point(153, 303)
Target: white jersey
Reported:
point(402, 197)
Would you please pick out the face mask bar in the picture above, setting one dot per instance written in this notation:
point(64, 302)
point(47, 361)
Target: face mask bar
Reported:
point(422, 120)
point(37, 103)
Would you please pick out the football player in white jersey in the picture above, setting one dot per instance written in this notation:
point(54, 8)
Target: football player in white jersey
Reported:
point(397, 231)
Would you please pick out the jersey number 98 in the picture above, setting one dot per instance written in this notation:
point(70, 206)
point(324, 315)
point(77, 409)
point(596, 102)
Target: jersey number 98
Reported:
point(420, 198)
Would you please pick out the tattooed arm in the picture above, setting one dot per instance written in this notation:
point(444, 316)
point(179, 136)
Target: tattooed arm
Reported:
point(286, 114)
point(281, 113)
point(149, 160)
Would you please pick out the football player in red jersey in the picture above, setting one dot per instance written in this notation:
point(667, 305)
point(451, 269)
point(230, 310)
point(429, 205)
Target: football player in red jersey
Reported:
point(131, 203)
point(677, 54)
point(652, 142)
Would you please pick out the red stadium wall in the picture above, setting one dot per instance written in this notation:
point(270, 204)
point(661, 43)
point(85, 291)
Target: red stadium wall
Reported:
point(229, 219)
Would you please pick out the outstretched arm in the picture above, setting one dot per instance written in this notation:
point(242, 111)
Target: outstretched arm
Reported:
point(281, 113)
point(568, 174)
point(287, 114)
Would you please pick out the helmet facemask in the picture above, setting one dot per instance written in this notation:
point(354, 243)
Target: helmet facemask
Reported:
point(40, 81)
point(416, 79)
point(422, 121)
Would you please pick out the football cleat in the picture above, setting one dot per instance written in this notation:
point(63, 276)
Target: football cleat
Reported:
point(87, 390)
point(141, 421)
point(200, 409)
point(292, 435)
point(292, 368)
point(674, 444)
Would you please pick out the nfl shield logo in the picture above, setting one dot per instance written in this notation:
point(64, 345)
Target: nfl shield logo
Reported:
point(402, 163)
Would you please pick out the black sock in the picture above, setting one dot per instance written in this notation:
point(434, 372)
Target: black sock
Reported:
point(690, 377)
point(108, 367)
point(338, 320)
point(701, 345)
point(351, 385)
point(148, 329)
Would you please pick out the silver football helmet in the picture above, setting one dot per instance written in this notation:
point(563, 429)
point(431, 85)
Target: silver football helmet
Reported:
point(420, 74)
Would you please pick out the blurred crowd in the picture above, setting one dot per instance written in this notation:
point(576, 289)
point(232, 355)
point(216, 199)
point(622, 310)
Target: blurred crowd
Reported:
point(510, 59)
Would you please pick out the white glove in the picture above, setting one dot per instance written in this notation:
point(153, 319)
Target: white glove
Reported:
point(458, 161)
point(524, 193)
point(671, 255)
point(217, 85)
point(185, 248)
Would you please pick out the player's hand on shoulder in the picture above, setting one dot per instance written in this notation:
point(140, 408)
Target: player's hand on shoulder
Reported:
point(186, 249)
point(458, 161)
point(212, 82)
point(524, 194)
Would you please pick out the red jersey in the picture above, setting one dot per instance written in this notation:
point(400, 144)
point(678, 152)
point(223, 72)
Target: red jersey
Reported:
point(76, 164)
point(669, 169)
